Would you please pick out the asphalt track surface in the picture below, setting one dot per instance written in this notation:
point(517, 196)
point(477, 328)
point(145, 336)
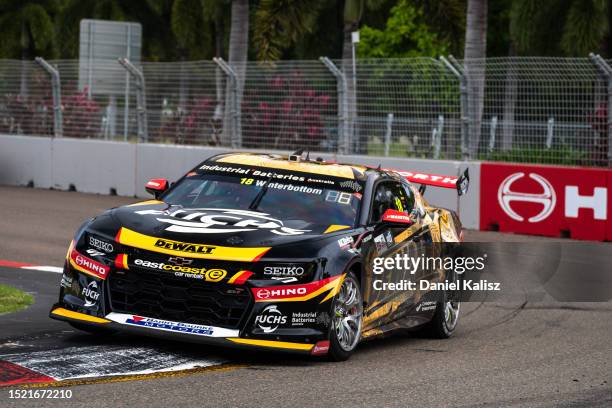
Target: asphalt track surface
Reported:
point(510, 354)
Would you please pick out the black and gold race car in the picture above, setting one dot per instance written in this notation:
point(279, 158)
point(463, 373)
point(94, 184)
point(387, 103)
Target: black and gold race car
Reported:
point(263, 251)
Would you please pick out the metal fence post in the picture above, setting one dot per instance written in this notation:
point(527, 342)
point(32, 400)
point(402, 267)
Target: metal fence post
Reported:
point(343, 131)
point(235, 133)
point(606, 72)
point(457, 70)
point(388, 133)
point(141, 99)
point(56, 90)
point(492, 132)
point(437, 133)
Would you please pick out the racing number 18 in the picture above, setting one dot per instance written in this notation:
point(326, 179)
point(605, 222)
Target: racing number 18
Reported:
point(336, 196)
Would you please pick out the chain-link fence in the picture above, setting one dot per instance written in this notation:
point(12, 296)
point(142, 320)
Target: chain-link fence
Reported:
point(540, 110)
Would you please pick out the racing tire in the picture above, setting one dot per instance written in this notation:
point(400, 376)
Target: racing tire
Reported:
point(347, 319)
point(445, 319)
point(98, 331)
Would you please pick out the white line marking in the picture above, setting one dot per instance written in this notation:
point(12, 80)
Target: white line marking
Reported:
point(54, 269)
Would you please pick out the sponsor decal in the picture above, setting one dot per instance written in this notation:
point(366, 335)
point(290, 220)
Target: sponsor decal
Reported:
point(431, 179)
point(397, 216)
point(262, 294)
point(426, 306)
point(305, 167)
point(87, 265)
point(321, 348)
point(270, 319)
point(381, 242)
point(389, 238)
point(285, 279)
point(184, 247)
point(189, 250)
point(302, 318)
point(350, 184)
point(100, 244)
point(345, 242)
point(94, 252)
point(289, 187)
point(298, 293)
point(546, 200)
point(66, 281)
point(210, 275)
point(367, 238)
point(91, 294)
point(324, 319)
point(219, 221)
point(283, 271)
point(171, 326)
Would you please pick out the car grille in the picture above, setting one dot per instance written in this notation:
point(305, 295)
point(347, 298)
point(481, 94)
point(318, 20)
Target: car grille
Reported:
point(162, 295)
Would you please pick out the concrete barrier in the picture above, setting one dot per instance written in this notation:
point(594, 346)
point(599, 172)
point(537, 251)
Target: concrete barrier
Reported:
point(25, 160)
point(94, 166)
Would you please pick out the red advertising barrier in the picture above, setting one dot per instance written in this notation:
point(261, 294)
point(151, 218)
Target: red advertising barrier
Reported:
point(546, 200)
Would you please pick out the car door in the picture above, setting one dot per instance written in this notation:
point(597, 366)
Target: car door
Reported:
point(388, 240)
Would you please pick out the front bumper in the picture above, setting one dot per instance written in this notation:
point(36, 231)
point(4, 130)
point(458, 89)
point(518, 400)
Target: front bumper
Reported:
point(179, 331)
point(292, 318)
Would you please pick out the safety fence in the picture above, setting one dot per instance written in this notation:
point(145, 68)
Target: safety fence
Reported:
point(527, 109)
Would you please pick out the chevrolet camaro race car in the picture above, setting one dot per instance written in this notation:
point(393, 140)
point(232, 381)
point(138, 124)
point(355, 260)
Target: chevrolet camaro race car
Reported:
point(263, 251)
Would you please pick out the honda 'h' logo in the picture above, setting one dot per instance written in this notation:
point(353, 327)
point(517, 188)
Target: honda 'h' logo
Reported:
point(547, 198)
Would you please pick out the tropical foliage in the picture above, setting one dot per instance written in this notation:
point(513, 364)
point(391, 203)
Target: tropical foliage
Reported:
point(297, 29)
point(406, 34)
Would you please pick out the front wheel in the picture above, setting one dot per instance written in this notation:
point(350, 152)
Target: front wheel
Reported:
point(347, 318)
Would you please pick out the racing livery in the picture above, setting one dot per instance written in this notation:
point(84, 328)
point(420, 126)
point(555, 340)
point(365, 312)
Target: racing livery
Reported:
point(265, 251)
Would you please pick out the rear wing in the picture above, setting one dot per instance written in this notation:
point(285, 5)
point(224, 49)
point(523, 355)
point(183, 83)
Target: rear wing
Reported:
point(460, 183)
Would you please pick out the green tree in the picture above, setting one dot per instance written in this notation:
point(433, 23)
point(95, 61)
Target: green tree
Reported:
point(475, 51)
point(27, 32)
point(237, 57)
point(27, 28)
point(279, 24)
point(447, 17)
point(405, 35)
point(553, 27)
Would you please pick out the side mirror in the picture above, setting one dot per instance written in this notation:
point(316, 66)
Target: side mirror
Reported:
point(156, 187)
point(397, 218)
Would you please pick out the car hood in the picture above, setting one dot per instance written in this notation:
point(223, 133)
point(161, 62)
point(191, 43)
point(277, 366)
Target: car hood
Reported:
point(228, 227)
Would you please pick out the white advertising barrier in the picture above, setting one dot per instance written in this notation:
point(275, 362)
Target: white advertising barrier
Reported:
point(93, 166)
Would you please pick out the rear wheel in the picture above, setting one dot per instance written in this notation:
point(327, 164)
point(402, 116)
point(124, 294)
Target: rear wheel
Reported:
point(347, 318)
point(444, 321)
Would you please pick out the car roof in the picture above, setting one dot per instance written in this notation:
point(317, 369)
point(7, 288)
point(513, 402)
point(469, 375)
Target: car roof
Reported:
point(283, 162)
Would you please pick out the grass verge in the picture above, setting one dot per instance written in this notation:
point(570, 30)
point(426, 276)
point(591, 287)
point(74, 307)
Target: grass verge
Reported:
point(12, 300)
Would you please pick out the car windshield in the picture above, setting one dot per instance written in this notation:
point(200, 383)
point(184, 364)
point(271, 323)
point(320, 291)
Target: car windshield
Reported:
point(283, 195)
